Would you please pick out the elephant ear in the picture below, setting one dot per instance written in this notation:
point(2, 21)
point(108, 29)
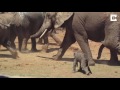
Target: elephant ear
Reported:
point(61, 17)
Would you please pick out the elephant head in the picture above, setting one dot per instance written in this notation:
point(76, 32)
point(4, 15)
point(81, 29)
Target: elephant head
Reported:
point(52, 20)
point(9, 18)
point(6, 19)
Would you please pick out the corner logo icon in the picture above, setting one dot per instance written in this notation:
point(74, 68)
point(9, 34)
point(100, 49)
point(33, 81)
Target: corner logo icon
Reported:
point(113, 17)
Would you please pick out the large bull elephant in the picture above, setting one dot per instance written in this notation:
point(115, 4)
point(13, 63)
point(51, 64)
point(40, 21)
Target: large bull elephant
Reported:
point(24, 24)
point(81, 26)
point(5, 34)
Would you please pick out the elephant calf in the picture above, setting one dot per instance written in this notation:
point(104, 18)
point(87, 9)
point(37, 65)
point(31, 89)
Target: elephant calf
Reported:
point(80, 57)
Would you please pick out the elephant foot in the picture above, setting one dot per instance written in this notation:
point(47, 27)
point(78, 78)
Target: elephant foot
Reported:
point(88, 73)
point(34, 50)
point(45, 48)
point(15, 55)
point(56, 57)
point(91, 63)
point(98, 57)
point(84, 71)
point(114, 62)
point(25, 51)
point(79, 70)
point(13, 52)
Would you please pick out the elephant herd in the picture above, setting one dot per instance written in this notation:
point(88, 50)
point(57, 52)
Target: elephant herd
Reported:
point(80, 27)
point(23, 24)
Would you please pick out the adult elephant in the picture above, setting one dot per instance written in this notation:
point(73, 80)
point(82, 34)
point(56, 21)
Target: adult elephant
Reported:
point(5, 34)
point(81, 26)
point(23, 25)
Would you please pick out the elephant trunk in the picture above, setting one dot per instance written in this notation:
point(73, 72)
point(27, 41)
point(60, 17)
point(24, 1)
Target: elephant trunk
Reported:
point(42, 31)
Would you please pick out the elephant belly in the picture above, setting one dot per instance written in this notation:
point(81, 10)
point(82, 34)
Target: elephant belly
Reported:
point(95, 29)
point(97, 37)
point(96, 34)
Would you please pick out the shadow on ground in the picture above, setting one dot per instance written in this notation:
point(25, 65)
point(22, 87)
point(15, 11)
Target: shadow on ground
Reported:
point(52, 49)
point(63, 59)
point(107, 62)
point(5, 56)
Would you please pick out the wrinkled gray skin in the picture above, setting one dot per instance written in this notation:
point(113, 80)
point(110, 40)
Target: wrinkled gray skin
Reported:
point(57, 40)
point(81, 26)
point(24, 24)
point(79, 57)
point(45, 41)
point(5, 36)
point(100, 51)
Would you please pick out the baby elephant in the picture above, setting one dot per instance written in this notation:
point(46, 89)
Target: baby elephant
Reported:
point(80, 57)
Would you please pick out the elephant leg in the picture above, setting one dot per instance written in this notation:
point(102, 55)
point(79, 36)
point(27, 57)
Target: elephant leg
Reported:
point(68, 40)
point(33, 49)
point(20, 38)
point(20, 42)
point(13, 44)
point(57, 40)
point(83, 43)
point(13, 35)
point(45, 46)
point(24, 35)
point(24, 46)
point(84, 66)
point(13, 51)
point(82, 39)
point(113, 58)
point(12, 39)
point(111, 40)
point(75, 63)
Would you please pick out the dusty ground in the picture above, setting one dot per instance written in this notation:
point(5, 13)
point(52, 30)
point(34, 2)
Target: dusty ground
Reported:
point(41, 65)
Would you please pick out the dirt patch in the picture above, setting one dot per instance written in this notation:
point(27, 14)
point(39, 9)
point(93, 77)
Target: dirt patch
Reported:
point(41, 65)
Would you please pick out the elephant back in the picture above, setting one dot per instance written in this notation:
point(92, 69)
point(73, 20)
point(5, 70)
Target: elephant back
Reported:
point(20, 19)
point(5, 20)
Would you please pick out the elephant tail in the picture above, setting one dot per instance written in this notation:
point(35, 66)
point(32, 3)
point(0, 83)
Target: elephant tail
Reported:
point(100, 51)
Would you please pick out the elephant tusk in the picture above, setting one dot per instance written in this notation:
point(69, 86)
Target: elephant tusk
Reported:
point(43, 33)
